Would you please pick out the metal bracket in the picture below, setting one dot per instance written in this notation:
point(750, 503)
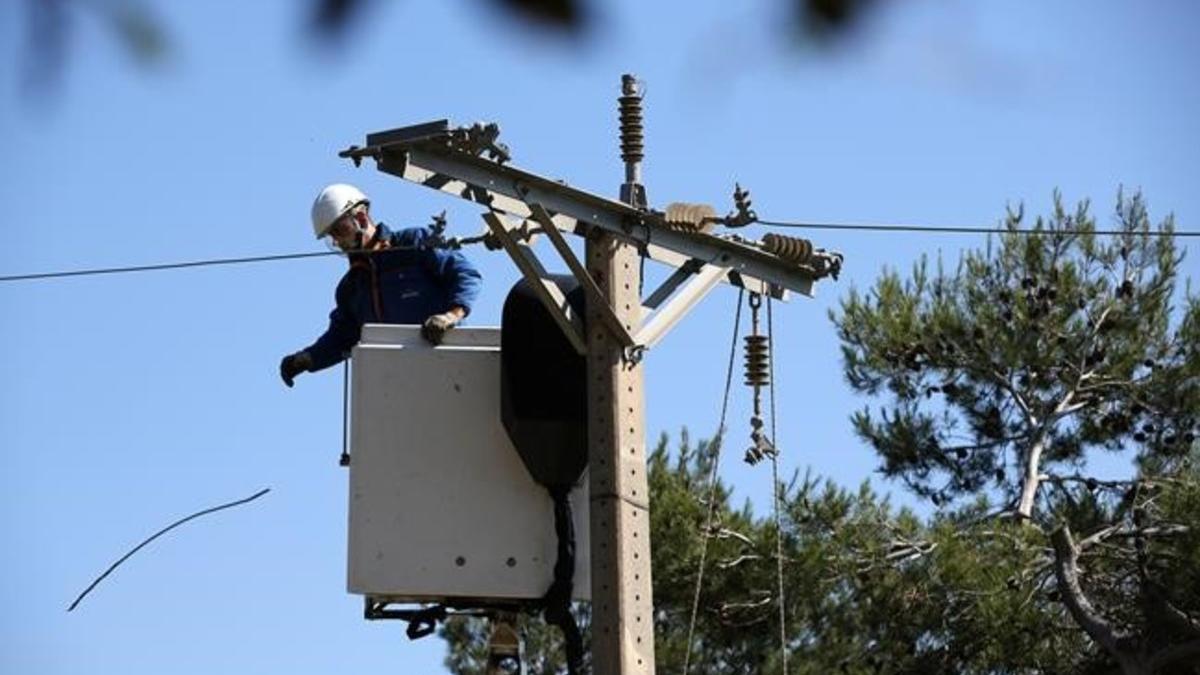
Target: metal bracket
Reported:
point(549, 293)
point(634, 354)
point(421, 622)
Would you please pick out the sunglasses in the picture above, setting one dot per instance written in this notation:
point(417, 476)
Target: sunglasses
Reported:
point(345, 226)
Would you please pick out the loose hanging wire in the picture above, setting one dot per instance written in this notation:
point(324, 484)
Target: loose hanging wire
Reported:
point(158, 534)
point(760, 372)
point(777, 491)
point(712, 485)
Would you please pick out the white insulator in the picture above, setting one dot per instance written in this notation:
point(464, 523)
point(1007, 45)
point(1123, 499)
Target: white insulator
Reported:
point(685, 217)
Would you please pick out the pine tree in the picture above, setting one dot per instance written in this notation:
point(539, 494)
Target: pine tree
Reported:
point(1025, 359)
point(1003, 378)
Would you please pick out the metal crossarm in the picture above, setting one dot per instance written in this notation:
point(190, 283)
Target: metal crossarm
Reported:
point(432, 155)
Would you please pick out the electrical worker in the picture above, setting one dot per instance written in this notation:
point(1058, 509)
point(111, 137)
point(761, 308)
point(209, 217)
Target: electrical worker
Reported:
point(394, 277)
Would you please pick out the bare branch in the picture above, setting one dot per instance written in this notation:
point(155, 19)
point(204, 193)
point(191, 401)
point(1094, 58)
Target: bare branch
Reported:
point(726, 533)
point(1066, 571)
point(728, 564)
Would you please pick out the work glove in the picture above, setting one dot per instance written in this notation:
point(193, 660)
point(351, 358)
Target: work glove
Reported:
point(294, 364)
point(436, 327)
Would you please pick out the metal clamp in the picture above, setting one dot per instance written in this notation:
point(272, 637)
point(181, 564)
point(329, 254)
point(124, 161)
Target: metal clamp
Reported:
point(480, 139)
point(744, 215)
point(424, 622)
point(633, 354)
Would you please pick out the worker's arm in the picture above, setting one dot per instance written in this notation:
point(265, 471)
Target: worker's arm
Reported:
point(343, 332)
point(461, 279)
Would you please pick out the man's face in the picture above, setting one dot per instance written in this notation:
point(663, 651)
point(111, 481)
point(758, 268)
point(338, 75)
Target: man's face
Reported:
point(352, 231)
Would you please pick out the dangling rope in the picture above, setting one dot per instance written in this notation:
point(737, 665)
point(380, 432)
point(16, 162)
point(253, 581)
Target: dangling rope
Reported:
point(718, 441)
point(777, 492)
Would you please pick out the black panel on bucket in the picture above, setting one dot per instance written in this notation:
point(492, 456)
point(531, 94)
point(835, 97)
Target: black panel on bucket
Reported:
point(543, 385)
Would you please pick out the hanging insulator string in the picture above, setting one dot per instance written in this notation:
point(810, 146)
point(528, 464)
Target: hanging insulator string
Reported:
point(758, 375)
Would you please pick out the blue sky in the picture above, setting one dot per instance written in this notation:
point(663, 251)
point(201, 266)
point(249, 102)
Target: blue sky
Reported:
point(128, 401)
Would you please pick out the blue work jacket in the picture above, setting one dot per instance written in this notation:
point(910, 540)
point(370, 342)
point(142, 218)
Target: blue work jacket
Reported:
point(406, 283)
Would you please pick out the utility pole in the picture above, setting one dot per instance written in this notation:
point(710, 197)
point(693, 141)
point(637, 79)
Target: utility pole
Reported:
point(622, 602)
point(470, 163)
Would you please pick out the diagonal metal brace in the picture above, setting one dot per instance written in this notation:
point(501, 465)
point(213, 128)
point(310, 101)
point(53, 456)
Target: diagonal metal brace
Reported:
point(549, 293)
point(682, 273)
point(688, 297)
point(595, 297)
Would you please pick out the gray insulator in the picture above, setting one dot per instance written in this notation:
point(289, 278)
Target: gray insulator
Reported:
point(631, 123)
point(758, 360)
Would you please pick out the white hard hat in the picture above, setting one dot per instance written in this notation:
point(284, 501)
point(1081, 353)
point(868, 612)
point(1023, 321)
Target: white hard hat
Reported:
point(332, 203)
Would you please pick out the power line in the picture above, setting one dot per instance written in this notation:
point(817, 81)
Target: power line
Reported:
point(961, 229)
point(165, 266)
point(859, 227)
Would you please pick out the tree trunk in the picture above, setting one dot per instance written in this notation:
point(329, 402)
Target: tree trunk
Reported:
point(1033, 466)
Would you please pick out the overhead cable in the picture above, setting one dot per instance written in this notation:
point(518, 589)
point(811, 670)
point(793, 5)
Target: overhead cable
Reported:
point(165, 266)
point(966, 229)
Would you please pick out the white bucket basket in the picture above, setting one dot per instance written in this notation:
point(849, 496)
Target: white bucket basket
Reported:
point(441, 506)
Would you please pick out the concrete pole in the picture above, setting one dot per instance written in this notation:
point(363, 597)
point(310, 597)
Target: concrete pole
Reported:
point(622, 606)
